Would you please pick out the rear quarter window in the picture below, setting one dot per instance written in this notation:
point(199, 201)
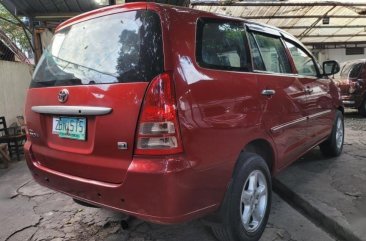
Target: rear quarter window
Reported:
point(351, 70)
point(221, 45)
point(356, 71)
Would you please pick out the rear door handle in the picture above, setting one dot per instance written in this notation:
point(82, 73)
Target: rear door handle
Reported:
point(268, 92)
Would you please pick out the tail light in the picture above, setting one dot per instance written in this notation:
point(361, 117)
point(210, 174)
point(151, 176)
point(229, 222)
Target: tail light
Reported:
point(158, 130)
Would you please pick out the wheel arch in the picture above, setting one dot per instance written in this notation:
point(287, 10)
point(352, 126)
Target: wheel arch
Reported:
point(341, 109)
point(261, 147)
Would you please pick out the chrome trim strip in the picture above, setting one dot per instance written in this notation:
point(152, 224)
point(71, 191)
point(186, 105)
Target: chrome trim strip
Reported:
point(319, 114)
point(287, 124)
point(71, 110)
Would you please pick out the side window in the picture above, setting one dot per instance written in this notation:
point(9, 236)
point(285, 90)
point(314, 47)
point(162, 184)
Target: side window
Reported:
point(273, 53)
point(220, 45)
point(256, 55)
point(304, 63)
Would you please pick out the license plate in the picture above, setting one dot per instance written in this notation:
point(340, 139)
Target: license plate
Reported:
point(70, 127)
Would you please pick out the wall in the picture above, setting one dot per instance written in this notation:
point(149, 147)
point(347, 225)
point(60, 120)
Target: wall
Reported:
point(338, 55)
point(14, 82)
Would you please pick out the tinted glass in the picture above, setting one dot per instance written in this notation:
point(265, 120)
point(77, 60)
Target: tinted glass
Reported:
point(123, 47)
point(256, 55)
point(304, 63)
point(273, 54)
point(355, 71)
point(221, 45)
point(351, 69)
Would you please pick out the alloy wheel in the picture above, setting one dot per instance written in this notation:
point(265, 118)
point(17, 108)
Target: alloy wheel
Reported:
point(339, 134)
point(254, 201)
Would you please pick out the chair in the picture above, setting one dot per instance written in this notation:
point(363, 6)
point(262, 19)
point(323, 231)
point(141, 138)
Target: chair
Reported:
point(13, 137)
point(4, 157)
point(21, 123)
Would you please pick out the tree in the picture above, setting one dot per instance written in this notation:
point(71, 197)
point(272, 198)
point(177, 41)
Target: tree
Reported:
point(13, 29)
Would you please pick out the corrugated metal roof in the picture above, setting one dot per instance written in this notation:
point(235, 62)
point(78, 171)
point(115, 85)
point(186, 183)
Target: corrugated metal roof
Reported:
point(34, 8)
point(53, 12)
point(303, 19)
point(63, 9)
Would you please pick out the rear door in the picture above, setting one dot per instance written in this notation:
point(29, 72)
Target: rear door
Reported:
point(283, 97)
point(84, 100)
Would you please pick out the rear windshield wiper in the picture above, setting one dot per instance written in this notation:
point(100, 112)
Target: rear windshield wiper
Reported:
point(56, 82)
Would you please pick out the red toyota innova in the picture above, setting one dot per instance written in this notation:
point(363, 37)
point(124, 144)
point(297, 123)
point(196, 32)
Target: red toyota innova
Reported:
point(169, 114)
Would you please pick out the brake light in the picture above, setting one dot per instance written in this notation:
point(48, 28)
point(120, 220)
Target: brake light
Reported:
point(158, 130)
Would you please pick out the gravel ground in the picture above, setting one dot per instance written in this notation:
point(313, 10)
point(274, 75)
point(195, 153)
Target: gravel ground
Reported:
point(354, 121)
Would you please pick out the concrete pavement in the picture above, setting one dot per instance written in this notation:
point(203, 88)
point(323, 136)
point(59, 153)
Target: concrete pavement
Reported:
point(31, 212)
point(325, 194)
point(332, 191)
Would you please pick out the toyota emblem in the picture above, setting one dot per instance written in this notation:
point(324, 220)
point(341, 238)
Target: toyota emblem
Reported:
point(63, 95)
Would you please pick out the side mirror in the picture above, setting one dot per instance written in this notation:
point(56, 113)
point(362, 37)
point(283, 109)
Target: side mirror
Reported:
point(330, 67)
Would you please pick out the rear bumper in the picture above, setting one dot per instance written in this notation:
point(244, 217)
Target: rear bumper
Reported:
point(349, 103)
point(163, 192)
point(352, 101)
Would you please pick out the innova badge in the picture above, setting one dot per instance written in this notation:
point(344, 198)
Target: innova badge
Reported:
point(63, 95)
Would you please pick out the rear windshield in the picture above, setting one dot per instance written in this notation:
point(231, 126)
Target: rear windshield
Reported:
point(117, 48)
point(351, 70)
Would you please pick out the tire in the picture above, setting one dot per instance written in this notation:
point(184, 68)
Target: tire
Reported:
point(334, 145)
point(362, 108)
point(250, 189)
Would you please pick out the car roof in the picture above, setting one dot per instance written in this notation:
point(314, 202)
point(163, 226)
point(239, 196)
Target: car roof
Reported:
point(159, 7)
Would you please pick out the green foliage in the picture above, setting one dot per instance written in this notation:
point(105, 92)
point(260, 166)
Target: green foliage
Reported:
point(13, 29)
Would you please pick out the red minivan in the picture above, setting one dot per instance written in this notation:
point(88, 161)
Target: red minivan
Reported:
point(169, 114)
point(352, 82)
